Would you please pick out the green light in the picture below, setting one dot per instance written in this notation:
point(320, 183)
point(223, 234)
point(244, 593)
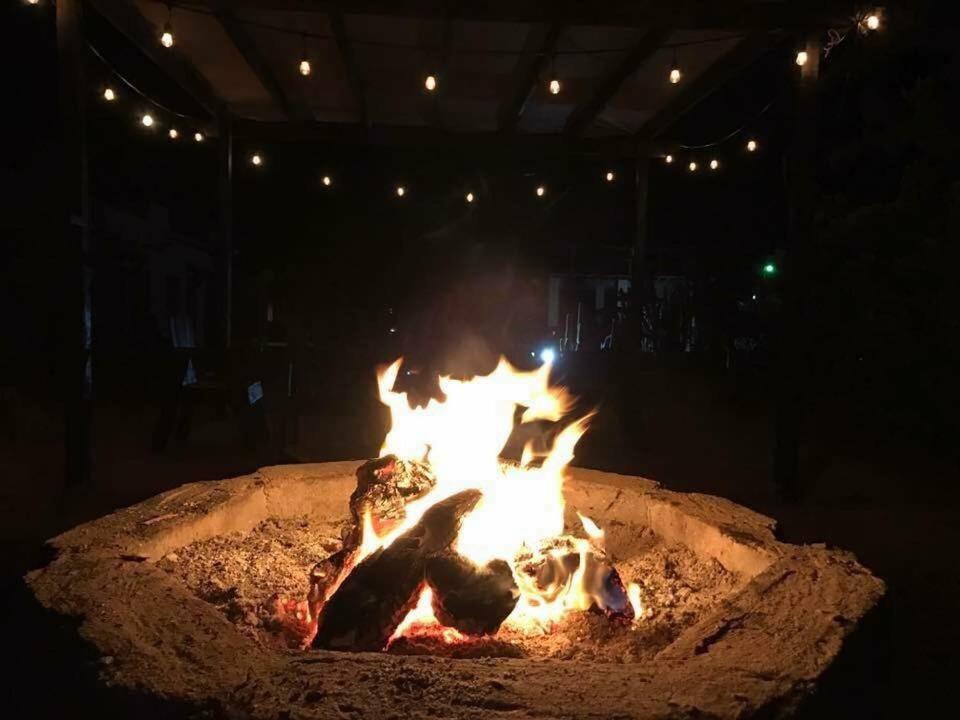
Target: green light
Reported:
point(769, 269)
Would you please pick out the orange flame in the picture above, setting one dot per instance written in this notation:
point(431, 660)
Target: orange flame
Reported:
point(522, 506)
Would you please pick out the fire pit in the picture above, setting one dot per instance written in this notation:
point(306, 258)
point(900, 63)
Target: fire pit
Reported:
point(439, 580)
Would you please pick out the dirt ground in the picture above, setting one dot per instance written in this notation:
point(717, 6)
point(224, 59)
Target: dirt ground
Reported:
point(893, 504)
point(240, 573)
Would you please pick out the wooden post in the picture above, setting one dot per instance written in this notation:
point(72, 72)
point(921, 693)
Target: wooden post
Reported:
point(75, 203)
point(641, 188)
point(801, 194)
point(638, 266)
point(226, 221)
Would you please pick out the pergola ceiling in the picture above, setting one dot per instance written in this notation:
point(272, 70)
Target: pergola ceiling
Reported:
point(369, 61)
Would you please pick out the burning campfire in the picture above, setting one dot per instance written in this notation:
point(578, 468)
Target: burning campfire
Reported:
point(450, 543)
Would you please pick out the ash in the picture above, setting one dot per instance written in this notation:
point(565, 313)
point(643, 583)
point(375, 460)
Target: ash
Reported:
point(242, 574)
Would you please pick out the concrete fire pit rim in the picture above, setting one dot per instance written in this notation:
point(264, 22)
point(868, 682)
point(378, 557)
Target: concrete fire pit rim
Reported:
point(713, 666)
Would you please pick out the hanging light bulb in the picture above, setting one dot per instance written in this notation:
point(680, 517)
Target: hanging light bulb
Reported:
point(326, 180)
point(166, 37)
point(675, 74)
point(553, 87)
point(802, 58)
point(430, 83)
point(668, 159)
point(692, 167)
point(172, 132)
point(872, 21)
point(109, 95)
point(256, 160)
point(714, 164)
point(198, 136)
point(610, 176)
point(146, 120)
point(751, 145)
point(304, 67)
point(541, 191)
point(469, 197)
point(32, 2)
point(401, 191)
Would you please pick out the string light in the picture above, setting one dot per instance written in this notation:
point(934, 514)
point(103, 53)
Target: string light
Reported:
point(675, 74)
point(166, 37)
point(469, 197)
point(33, 2)
point(172, 132)
point(714, 164)
point(430, 83)
point(541, 191)
point(668, 159)
point(554, 85)
point(304, 66)
point(751, 145)
point(326, 180)
point(769, 269)
point(872, 22)
point(198, 136)
point(401, 191)
point(256, 160)
point(802, 58)
point(146, 120)
point(610, 176)
point(692, 167)
point(109, 95)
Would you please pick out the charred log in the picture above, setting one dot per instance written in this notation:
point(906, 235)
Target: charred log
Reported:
point(384, 487)
point(474, 600)
point(374, 598)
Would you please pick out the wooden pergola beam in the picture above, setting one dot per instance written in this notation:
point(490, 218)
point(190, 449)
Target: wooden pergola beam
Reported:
point(125, 17)
point(609, 83)
point(688, 14)
point(743, 54)
point(540, 43)
point(245, 44)
point(413, 136)
point(354, 77)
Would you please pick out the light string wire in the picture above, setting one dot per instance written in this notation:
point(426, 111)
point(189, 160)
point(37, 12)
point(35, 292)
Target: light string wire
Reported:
point(126, 81)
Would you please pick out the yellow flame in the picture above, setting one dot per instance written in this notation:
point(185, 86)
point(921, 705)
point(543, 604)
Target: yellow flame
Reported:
point(590, 527)
point(461, 437)
point(633, 594)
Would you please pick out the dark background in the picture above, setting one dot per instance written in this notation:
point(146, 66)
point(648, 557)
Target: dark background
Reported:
point(461, 285)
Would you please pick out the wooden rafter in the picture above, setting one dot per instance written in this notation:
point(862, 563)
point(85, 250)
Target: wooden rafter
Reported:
point(130, 22)
point(701, 87)
point(248, 49)
point(688, 14)
point(540, 43)
point(354, 77)
point(611, 80)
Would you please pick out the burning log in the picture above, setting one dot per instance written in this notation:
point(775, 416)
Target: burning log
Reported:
point(384, 487)
point(474, 600)
point(374, 598)
point(547, 572)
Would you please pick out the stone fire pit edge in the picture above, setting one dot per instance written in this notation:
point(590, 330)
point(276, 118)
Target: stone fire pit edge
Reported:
point(762, 649)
